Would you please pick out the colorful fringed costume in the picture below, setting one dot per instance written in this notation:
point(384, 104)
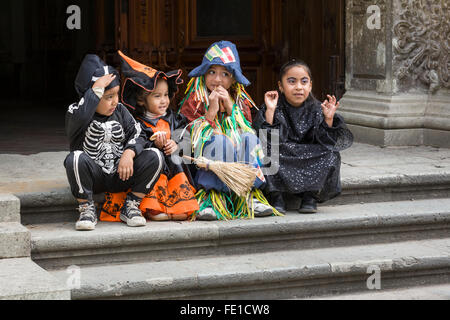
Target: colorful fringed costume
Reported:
point(228, 138)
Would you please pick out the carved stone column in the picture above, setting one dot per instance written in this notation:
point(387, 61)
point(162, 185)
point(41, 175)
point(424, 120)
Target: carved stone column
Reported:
point(398, 72)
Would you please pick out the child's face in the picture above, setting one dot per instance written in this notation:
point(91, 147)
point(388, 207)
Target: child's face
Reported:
point(296, 85)
point(218, 76)
point(108, 103)
point(158, 101)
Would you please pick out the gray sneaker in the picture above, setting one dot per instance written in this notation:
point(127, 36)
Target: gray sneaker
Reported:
point(131, 214)
point(88, 217)
point(207, 214)
point(261, 209)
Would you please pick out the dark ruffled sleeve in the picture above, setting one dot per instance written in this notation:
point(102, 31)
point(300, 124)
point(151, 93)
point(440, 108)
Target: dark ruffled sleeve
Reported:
point(336, 138)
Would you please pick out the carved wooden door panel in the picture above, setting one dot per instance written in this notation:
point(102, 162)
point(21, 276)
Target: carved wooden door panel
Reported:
point(172, 34)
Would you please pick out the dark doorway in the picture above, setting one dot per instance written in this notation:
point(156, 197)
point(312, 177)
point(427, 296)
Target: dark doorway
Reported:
point(40, 56)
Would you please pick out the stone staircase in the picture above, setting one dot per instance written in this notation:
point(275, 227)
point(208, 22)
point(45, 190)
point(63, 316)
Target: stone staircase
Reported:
point(20, 277)
point(390, 228)
point(291, 257)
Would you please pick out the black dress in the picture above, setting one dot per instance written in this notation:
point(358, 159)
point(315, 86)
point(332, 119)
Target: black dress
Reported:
point(308, 156)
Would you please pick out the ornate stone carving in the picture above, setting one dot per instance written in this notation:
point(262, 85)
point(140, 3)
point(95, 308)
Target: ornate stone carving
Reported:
point(422, 42)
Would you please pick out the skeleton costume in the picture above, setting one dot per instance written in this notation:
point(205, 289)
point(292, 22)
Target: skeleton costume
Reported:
point(173, 194)
point(97, 142)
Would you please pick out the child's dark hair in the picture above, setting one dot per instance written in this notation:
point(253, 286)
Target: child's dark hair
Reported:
point(294, 63)
point(141, 95)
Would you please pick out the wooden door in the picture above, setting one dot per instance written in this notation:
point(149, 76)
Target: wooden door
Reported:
point(314, 31)
point(172, 34)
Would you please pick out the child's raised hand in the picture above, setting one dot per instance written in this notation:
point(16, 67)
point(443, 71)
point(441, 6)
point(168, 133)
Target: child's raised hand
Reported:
point(329, 108)
point(225, 101)
point(104, 81)
point(271, 100)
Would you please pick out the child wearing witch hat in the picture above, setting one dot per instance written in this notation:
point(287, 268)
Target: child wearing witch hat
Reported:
point(147, 92)
point(218, 108)
point(106, 147)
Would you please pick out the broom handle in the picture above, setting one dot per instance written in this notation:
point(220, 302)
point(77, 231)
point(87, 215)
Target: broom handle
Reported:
point(200, 165)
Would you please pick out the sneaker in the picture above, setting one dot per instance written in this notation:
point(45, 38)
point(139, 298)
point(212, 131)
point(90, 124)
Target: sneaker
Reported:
point(207, 214)
point(130, 212)
point(88, 217)
point(309, 205)
point(261, 209)
point(159, 217)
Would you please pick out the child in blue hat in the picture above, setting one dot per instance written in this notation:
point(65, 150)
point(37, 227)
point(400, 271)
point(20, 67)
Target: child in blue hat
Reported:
point(218, 108)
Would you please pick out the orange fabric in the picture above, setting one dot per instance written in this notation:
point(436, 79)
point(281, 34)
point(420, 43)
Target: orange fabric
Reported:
point(112, 206)
point(161, 125)
point(174, 196)
point(139, 66)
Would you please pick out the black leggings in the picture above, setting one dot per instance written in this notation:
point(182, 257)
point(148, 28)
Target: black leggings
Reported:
point(87, 178)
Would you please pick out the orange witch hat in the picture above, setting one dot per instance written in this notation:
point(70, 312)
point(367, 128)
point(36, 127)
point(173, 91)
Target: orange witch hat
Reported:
point(139, 76)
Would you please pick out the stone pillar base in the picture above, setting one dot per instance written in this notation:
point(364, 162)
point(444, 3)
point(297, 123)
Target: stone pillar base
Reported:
point(398, 120)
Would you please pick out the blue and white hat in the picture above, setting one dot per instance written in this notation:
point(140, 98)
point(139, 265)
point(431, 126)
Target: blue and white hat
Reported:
point(222, 53)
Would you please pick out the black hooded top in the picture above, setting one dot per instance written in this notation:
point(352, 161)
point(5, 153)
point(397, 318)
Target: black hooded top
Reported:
point(103, 138)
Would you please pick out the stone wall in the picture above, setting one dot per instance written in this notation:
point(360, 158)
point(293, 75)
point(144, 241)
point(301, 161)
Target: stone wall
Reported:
point(398, 72)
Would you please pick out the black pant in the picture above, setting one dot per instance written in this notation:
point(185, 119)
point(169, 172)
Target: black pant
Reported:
point(87, 178)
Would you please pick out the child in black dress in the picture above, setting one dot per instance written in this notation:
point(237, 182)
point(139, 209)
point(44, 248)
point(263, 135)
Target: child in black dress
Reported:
point(310, 136)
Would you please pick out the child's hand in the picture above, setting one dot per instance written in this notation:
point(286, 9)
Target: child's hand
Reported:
point(213, 107)
point(160, 141)
point(329, 108)
point(170, 147)
point(104, 81)
point(225, 102)
point(271, 100)
point(126, 165)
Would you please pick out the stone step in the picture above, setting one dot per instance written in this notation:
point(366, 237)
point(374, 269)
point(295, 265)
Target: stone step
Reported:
point(59, 245)
point(270, 275)
point(59, 205)
point(22, 279)
point(14, 240)
point(9, 208)
point(434, 292)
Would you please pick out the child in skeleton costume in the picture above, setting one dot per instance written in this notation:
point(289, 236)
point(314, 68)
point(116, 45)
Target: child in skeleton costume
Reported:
point(106, 146)
point(147, 92)
point(218, 109)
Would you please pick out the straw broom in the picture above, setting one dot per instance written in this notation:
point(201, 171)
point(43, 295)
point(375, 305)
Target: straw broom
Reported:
point(239, 177)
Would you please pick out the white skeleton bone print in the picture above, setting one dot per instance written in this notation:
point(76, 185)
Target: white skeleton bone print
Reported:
point(104, 144)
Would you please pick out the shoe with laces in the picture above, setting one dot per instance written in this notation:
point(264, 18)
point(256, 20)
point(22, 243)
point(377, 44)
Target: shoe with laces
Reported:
point(130, 212)
point(88, 217)
point(207, 214)
point(261, 209)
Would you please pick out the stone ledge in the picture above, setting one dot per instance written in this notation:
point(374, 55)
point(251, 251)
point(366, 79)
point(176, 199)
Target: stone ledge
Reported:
point(9, 208)
point(14, 240)
point(22, 279)
point(274, 275)
point(56, 245)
